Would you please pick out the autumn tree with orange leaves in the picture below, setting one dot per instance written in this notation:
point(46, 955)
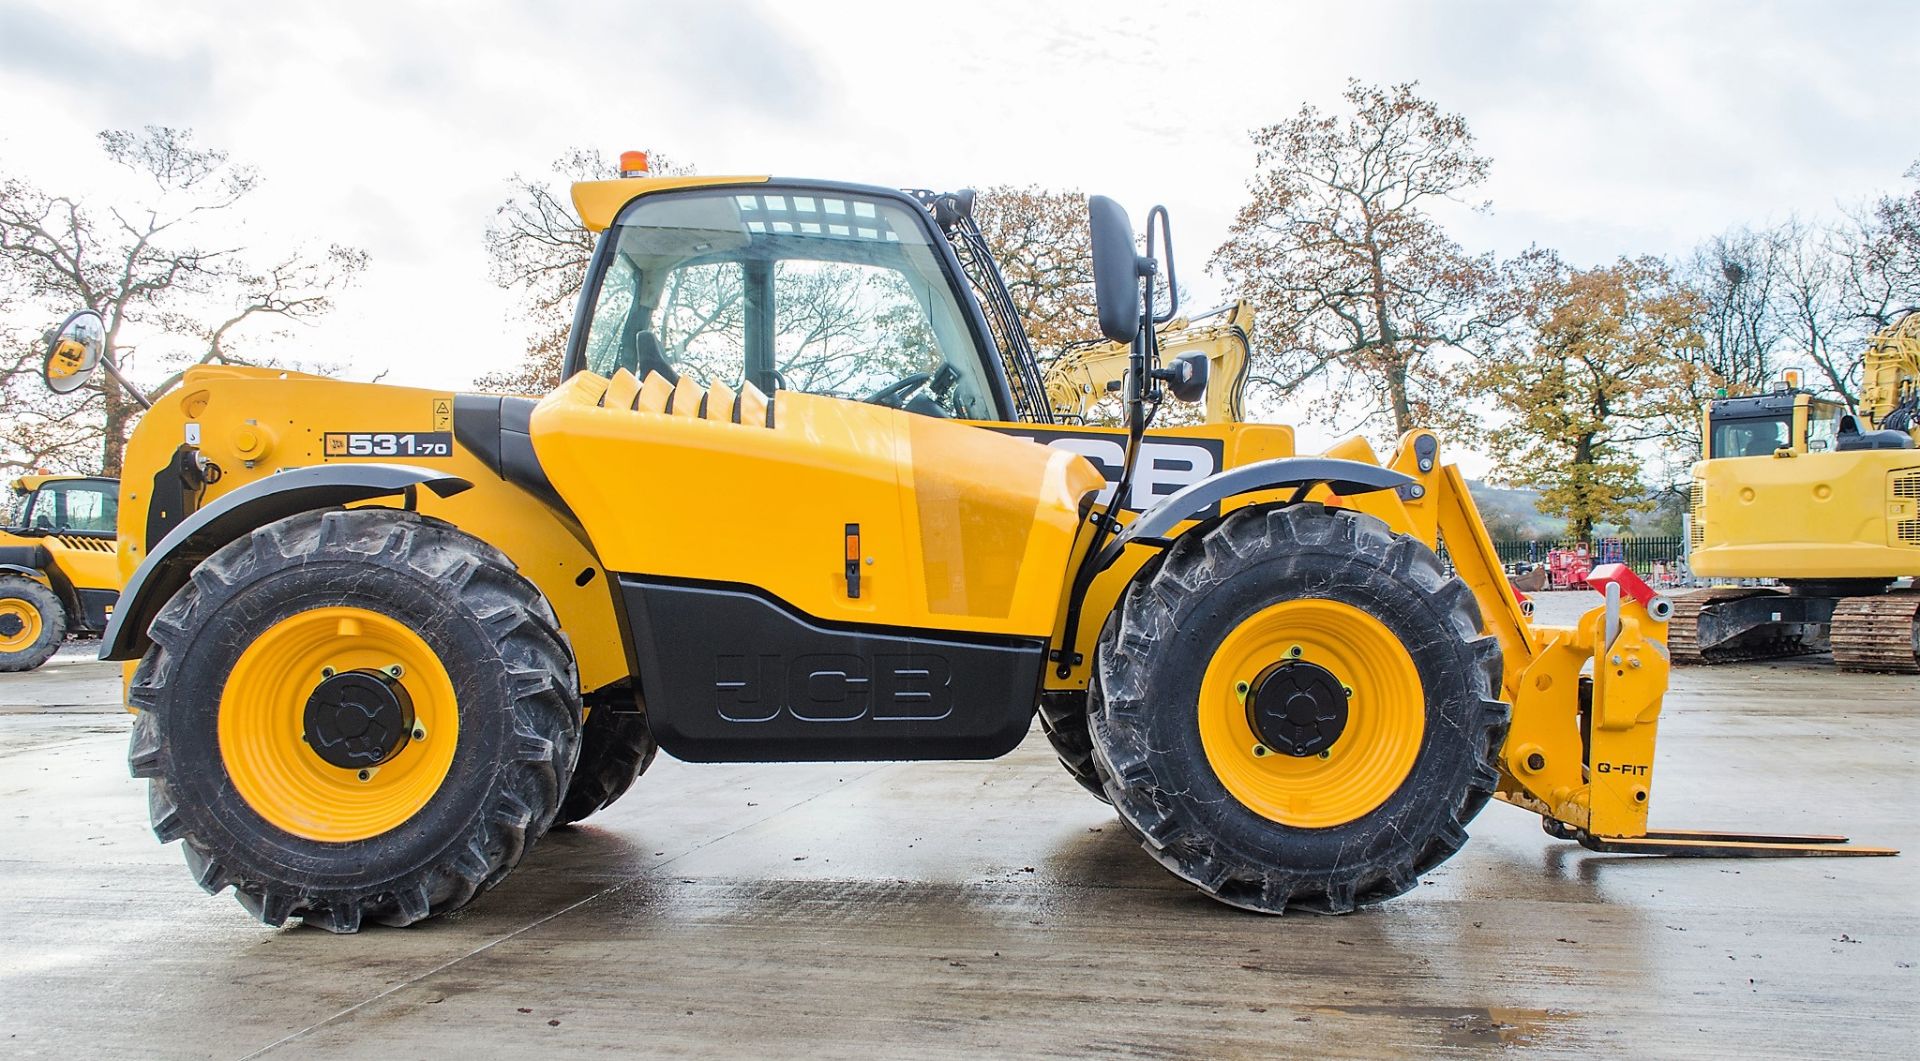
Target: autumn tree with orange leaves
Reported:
point(1600, 367)
point(1039, 237)
point(1355, 283)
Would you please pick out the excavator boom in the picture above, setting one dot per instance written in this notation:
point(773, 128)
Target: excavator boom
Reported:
point(1088, 372)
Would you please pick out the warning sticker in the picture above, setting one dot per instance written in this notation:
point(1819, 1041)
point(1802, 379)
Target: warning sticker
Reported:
point(442, 414)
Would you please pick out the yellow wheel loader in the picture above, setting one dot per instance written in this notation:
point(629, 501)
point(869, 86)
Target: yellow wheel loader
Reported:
point(802, 497)
point(1796, 487)
point(59, 575)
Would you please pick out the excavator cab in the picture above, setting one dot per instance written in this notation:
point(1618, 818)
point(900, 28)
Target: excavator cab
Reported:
point(1759, 426)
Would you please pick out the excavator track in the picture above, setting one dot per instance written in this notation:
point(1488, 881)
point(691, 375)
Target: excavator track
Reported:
point(1878, 633)
point(1684, 631)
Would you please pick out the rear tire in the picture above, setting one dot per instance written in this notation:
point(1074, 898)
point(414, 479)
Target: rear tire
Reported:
point(491, 663)
point(33, 625)
point(1413, 764)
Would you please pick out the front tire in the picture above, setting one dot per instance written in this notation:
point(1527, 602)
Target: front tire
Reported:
point(350, 715)
point(32, 623)
point(1295, 709)
point(616, 747)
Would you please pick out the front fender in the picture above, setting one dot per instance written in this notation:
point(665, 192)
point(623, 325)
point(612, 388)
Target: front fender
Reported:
point(169, 563)
point(1343, 477)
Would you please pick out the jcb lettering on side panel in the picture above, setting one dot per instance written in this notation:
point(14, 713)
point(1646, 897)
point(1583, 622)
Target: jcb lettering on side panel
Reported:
point(833, 687)
point(1165, 465)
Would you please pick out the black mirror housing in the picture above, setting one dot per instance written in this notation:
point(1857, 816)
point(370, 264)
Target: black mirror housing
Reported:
point(1187, 376)
point(1116, 269)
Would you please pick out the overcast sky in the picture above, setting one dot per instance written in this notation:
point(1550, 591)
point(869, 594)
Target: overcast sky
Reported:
point(1615, 128)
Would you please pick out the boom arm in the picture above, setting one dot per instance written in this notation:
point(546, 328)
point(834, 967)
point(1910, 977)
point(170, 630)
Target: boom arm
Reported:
point(1085, 373)
point(1891, 398)
point(1586, 698)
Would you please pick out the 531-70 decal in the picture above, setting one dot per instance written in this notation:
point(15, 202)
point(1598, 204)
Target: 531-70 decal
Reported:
point(389, 444)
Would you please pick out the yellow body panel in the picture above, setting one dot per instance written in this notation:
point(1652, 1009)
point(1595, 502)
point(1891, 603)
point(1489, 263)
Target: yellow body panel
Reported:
point(960, 529)
point(1240, 444)
point(291, 420)
point(1851, 514)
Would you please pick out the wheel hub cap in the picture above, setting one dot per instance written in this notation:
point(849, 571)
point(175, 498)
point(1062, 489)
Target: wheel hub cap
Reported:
point(1297, 708)
point(11, 625)
point(358, 718)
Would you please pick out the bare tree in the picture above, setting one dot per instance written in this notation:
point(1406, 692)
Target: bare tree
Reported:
point(538, 249)
point(1353, 277)
point(1737, 275)
point(1881, 255)
point(153, 266)
point(1809, 305)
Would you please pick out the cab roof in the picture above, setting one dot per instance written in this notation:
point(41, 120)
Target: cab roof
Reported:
point(599, 202)
point(26, 484)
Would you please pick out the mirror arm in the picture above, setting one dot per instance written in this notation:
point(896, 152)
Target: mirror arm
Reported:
point(1165, 232)
point(125, 384)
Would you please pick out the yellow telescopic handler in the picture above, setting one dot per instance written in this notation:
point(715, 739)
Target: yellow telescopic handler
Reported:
point(802, 496)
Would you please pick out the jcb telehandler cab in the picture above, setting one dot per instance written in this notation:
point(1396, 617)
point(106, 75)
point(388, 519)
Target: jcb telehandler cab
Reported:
point(58, 572)
point(800, 498)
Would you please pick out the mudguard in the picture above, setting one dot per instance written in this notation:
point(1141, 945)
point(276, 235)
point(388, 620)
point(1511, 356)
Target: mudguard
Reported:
point(1343, 477)
point(25, 559)
point(169, 563)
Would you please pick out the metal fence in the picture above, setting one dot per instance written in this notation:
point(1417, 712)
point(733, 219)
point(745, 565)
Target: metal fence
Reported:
point(1658, 559)
point(1639, 553)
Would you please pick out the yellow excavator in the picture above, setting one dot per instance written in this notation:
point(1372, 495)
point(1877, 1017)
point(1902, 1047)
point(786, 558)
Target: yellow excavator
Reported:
point(1089, 371)
point(383, 638)
point(1796, 487)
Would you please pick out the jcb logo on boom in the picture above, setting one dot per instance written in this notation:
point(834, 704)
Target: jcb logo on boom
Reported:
point(834, 687)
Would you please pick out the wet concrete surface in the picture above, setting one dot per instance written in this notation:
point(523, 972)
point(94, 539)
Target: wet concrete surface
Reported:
point(994, 909)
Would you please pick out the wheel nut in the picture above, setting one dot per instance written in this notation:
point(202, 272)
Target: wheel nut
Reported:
point(1260, 751)
point(1296, 652)
point(1326, 755)
point(395, 671)
point(419, 733)
point(326, 672)
point(366, 775)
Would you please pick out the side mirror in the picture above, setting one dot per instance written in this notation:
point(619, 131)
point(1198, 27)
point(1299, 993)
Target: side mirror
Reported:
point(74, 351)
point(1187, 376)
point(1116, 270)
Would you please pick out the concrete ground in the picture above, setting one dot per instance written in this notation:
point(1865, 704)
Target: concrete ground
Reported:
point(989, 909)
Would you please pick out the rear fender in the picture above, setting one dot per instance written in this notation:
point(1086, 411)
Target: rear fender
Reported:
point(170, 563)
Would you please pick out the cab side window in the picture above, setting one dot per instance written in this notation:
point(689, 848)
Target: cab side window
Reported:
point(830, 293)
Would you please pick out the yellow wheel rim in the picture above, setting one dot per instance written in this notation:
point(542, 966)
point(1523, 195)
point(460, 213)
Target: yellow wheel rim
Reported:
point(1374, 753)
point(21, 617)
point(262, 726)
